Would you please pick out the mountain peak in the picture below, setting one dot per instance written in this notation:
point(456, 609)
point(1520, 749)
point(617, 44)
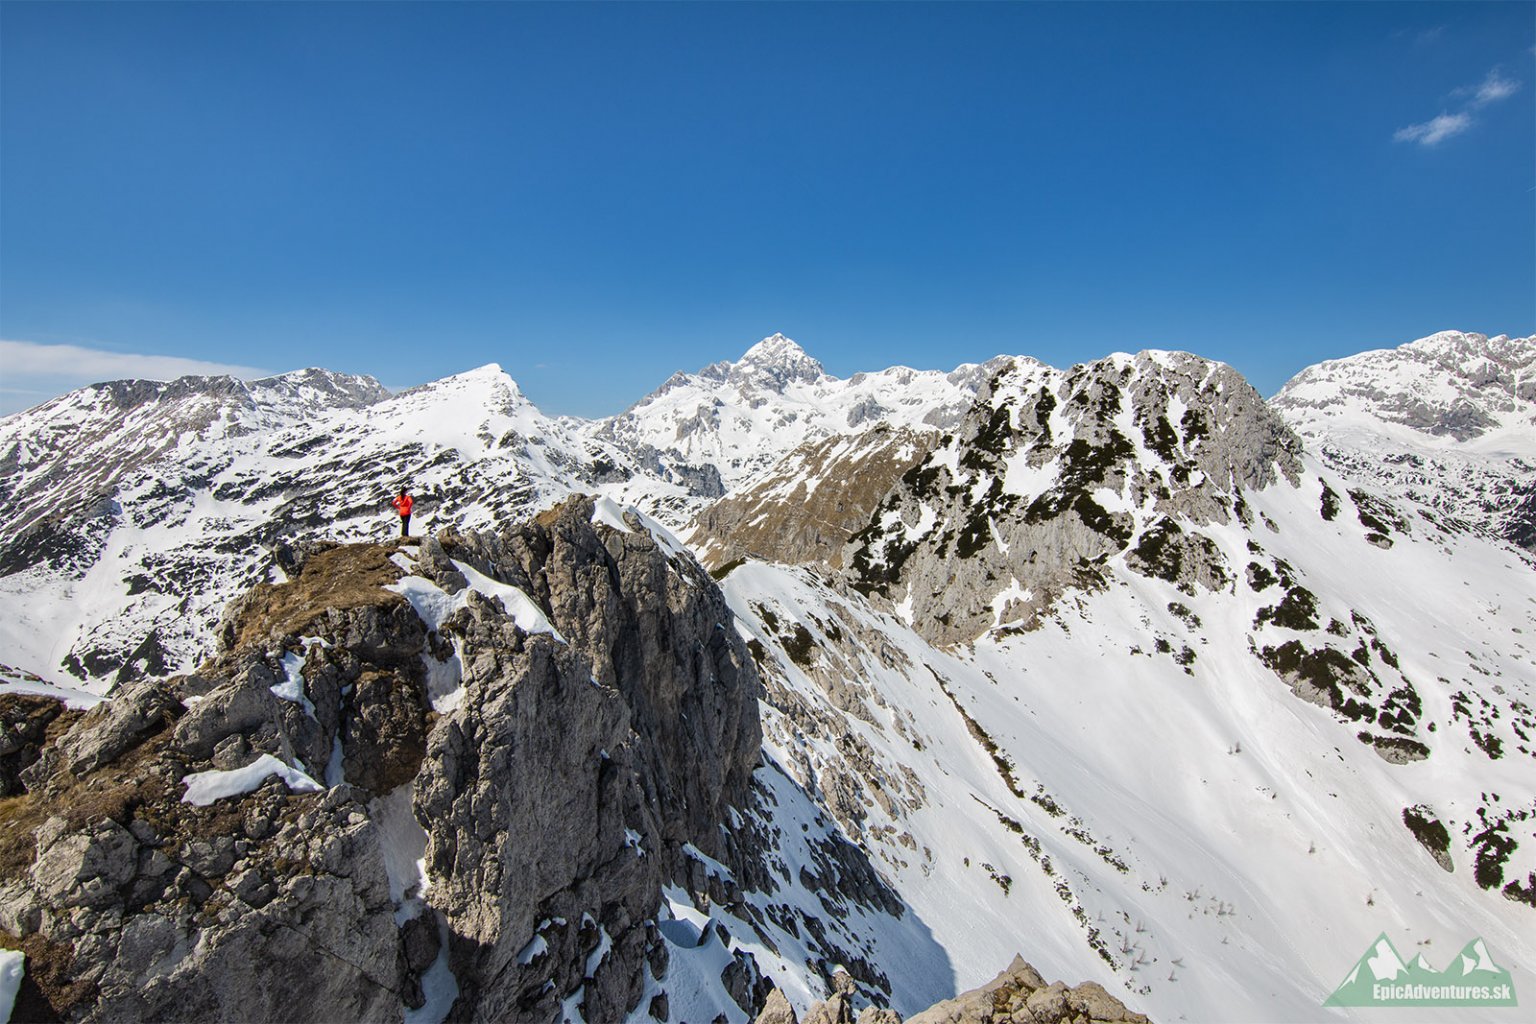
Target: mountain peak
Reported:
point(774, 363)
point(774, 348)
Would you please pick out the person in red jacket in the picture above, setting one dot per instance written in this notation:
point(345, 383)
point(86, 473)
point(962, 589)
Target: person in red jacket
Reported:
point(403, 506)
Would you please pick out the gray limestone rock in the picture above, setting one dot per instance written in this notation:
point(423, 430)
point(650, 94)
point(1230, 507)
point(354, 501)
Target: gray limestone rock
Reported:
point(812, 502)
point(1052, 474)
point(25, 722)
point(113, 727)
point(636, 717)
point(1019, 995)
point(643, 719)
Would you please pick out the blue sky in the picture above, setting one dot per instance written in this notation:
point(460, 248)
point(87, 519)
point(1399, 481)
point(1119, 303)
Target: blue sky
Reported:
point(596, 195)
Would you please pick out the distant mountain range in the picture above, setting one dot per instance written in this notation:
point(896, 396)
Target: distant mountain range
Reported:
point(1118, 666)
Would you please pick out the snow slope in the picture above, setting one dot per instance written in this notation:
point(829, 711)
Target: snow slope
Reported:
point(1121, 677)
point(131, 512)
point(1448, 421)
point(1205, 843)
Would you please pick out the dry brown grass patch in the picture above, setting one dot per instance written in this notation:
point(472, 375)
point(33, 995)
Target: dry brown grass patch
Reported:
point(342, 577)
point(47, 992)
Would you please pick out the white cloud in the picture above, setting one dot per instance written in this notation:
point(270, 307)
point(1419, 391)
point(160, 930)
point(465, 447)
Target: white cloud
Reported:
point(1494, 88)
point(1436, 131)
point(31, 373)
point(28, 358)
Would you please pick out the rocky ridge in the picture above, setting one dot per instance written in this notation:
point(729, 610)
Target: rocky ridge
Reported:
point(241, 842)
point(1133, 550)
point(64, 459)
point(1018, 995)
point(131, 512)
point(1146, 778)
point(129, 580)
point(812, 501)
point(1051, 474)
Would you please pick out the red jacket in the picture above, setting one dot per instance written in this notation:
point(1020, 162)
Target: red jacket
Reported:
point(402, 504)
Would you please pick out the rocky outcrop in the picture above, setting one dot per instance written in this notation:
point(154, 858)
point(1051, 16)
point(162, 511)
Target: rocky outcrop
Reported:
point(26, 724)
point(547, 718)
point(1051, 474)
point(567, 757)
point(1019, 995)
point(805, 510)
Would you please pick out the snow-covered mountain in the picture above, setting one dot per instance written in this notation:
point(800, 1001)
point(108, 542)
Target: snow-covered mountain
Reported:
point(134, 511)
point(1125, 672)
point(1448, 421)
point(131, 512)
point(72, 452)
point(742, 417)
point(1109, 666)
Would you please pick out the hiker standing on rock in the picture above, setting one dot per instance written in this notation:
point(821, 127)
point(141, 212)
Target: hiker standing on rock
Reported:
point(403, 506)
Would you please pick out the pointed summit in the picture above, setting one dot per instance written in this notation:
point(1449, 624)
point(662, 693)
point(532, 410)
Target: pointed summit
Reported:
point(776, 348)
point(773, 363)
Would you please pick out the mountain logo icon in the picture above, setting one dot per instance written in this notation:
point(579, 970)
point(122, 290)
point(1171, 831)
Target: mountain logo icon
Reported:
point(1381, 977)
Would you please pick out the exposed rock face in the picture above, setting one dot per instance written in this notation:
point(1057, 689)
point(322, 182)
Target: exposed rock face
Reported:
point(26, 723)
point(1451, 385)
point(550, 778)
point(812, 502)
point(210, 475)
point(644, 723)
point(1019, 995)
point(1052, 473)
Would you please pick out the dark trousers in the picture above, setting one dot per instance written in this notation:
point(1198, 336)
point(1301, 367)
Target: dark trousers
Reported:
point(405, 525)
